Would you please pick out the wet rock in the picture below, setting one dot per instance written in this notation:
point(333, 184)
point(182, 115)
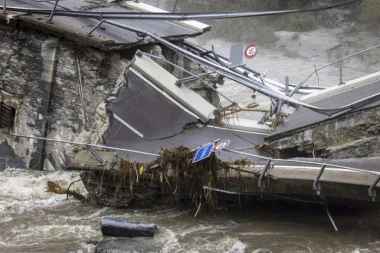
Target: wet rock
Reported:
point(8, 158)
point(230, 224)
point(126, 245)
point(94, 240)
point(115, 226)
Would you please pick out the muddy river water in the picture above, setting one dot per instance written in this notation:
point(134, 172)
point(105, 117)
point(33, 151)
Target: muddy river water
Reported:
point(33, 220)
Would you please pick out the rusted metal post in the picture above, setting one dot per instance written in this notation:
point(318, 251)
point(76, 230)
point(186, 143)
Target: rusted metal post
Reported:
point(95, 27)
point(175, 6)
point(52, 11)
point(81, 92)
point(316, 186)
point(331, 218)
point(260, 183)
point(287, 85)
point(372, 191)
point(341, 72)
point(4, 6)
point(100, 160)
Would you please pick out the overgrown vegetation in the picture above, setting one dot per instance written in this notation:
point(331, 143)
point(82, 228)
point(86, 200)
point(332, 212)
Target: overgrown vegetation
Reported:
point(369, 14)
point(262, 30)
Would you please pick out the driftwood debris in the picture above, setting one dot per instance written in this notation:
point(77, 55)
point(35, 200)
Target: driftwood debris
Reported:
point(55, 188)
point(170, 179)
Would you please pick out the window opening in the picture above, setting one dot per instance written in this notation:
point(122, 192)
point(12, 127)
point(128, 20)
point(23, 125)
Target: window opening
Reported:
point(7, 115)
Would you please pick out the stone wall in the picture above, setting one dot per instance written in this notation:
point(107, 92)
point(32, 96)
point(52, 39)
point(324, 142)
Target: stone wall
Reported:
point(352, 135)
point(53, 109)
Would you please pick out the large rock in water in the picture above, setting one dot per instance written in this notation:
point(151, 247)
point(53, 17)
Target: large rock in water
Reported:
point(119, 227)
point(8, 158)
point(124, 245)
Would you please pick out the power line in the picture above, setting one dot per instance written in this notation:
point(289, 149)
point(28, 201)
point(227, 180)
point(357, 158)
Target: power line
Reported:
point(167, 16)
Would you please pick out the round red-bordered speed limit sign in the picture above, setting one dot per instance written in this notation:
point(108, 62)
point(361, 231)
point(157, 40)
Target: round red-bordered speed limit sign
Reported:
point(251, 50)
point(221, 145)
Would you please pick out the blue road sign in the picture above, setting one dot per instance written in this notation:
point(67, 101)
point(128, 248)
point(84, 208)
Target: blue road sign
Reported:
point(203, 152)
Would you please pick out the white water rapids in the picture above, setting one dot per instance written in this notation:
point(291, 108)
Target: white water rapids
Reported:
point(33, 220)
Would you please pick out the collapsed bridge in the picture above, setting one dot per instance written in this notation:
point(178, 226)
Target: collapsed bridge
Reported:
point(82, 80)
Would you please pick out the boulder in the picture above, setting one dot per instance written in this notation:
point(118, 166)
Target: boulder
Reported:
point(124, 245)
point(115, 226)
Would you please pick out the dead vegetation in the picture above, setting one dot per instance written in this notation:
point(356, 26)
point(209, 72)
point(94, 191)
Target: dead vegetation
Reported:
point(177, 178)
point(171, 179)
point(53, 187)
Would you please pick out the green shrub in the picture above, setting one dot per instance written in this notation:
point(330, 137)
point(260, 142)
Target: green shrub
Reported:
point(297, 22)
point(295, 36)
point(242, 30)
point(370, 13)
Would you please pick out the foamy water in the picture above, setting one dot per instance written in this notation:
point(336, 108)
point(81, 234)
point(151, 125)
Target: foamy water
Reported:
point(33, 220)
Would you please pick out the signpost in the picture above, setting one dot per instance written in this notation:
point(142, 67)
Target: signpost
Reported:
point(236, 54)
point(203, 152)
point(251, 51)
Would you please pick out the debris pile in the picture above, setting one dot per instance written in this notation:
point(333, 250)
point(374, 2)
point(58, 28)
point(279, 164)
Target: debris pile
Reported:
point(172, 180)
point(57, 189)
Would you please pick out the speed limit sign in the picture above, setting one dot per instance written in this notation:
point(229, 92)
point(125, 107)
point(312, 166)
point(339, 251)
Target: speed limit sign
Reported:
point(221, 145)
point(251, 50)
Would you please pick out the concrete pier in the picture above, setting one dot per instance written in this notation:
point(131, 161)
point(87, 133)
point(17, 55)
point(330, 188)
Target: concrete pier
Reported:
point(48, 55)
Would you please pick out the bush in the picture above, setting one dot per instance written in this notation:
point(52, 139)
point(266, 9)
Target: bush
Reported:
point(297, 22)
point(370, 13)
point(242, 30)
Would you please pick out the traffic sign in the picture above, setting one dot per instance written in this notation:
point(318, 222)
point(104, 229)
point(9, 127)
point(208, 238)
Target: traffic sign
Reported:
point(203, 152)
point(221, 145)
point(236, 54)
point(251, 50)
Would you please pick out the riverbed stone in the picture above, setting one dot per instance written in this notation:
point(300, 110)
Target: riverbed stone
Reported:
point(116, 226)
point(127, 245)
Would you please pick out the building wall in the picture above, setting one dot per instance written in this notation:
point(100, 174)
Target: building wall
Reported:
point(53, 109)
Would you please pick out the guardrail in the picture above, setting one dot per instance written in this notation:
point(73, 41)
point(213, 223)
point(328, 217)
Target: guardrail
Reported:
point(316, 187)
point(339, 61)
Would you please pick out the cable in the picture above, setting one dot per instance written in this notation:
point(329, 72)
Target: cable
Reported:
point(169, 16)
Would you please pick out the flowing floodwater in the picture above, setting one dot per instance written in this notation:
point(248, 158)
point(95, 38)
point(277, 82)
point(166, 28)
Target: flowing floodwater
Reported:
point(33, 220)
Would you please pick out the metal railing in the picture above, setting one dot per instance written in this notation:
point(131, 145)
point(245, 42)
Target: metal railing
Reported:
point(339, 61)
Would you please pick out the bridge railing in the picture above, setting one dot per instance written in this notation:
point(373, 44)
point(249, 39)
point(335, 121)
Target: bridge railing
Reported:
point(316, 188)
point(339, 63)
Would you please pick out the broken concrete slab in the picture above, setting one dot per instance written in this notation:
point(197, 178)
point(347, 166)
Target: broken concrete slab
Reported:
point(108, 37)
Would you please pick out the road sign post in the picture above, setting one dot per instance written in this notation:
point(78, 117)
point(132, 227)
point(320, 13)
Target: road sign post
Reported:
point(203, 152)
point(251, 51)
